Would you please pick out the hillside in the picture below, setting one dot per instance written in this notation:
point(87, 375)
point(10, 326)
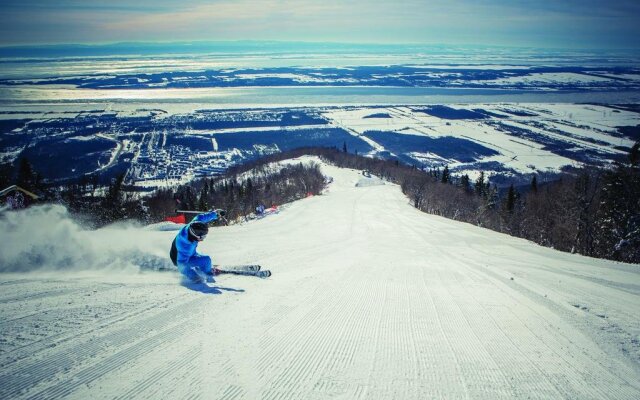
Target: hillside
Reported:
point(370, 299)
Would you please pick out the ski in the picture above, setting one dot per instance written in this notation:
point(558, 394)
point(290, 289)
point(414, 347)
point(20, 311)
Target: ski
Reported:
point(259, 274)
point(239, 267)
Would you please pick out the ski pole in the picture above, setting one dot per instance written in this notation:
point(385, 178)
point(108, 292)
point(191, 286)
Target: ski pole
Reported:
point(223, 219)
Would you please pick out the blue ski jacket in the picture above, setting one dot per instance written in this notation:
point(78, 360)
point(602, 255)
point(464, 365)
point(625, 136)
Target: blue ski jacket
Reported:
point(186, 249)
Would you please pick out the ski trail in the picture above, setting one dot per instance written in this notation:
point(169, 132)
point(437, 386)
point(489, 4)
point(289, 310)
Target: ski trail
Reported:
point(370, 299)
point(84, 325)
point(497, 341)
point(81, 352)
point(313, 348)
point(151, 387)
point(550, 345)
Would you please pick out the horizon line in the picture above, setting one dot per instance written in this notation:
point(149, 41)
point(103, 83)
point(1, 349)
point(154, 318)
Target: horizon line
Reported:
point(36, 45)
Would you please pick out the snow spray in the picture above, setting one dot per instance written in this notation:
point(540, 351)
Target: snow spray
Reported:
point(46, 237)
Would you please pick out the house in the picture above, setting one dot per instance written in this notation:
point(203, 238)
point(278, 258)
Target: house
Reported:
point(15, 197)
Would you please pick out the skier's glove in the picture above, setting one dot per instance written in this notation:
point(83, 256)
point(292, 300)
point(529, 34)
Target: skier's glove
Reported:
point(221, 212)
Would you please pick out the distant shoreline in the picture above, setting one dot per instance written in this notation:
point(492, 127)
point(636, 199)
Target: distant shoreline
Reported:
point(297, 96)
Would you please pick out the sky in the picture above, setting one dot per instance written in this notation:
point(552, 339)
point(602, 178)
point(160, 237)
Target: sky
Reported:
point(581, 24)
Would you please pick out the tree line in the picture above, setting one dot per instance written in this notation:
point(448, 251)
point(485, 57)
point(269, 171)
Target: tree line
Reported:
point(591, 211)
point(240, 190)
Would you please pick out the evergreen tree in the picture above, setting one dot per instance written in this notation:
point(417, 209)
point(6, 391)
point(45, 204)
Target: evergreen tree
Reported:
point(445, 175)
point(534, 184)
point(491, 193)
point(465, 182)
point(6, 171)
point(112, 203)
point(27, 177)
point(634, 154)
point(203, 201)
point(619, 214)
point(344, 147)
point(511, 199)
point(611, 214)
point(188, 199)
point(137, 210)
point(586, 190)
point(480, 187)
point(114, 192)
point(25, 174)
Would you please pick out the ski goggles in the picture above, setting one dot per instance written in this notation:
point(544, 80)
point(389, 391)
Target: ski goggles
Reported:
point(199, 237)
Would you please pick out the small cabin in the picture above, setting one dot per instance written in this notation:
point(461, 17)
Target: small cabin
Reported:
point(14, 197)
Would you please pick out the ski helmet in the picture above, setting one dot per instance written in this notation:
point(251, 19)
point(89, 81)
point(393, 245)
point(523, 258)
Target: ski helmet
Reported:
point(198, 230)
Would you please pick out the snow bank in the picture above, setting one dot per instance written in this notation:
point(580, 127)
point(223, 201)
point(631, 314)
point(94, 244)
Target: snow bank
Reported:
point(372, 181)
point(47, 238)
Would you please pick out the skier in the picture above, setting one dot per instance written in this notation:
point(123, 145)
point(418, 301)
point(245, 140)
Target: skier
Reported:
point(195, 266)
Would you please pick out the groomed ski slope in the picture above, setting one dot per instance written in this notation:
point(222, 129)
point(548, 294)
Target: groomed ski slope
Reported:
point(370, 299)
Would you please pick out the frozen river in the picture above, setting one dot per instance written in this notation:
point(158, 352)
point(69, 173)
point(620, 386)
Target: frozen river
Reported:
point(241, 97)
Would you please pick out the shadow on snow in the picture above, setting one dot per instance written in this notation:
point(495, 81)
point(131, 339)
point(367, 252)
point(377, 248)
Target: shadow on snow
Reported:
point(206, 289)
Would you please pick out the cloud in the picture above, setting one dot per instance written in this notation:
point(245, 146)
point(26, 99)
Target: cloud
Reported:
point(516, 22)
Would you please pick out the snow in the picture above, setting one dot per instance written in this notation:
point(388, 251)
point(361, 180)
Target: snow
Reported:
point(546, 78)
point(577, 124)
point(258, 129)
point(301, 78)
point(369, 181)
point(369, 299)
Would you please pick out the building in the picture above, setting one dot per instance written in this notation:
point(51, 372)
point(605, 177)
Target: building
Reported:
point(14, 197)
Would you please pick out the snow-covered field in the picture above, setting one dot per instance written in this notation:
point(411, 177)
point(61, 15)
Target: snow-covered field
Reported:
point(580, 126)
point(509, 142)
point(369, 299)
